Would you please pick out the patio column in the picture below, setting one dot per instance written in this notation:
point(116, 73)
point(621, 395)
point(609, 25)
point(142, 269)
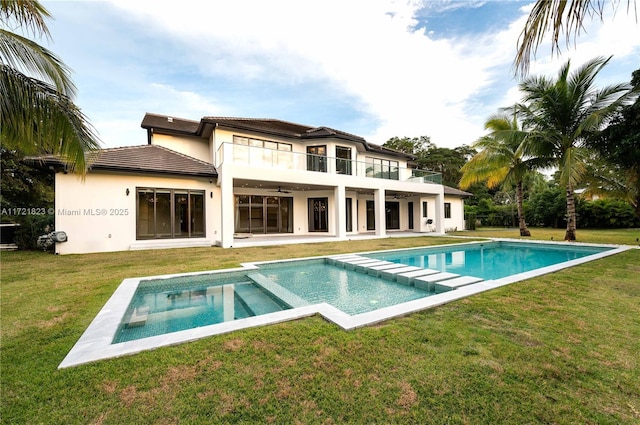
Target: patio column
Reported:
point(439, 220)
point(340, 194)
point(227, 207)
point(379, 205)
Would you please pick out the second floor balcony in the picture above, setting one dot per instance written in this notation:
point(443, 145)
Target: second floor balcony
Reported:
point(260, 157)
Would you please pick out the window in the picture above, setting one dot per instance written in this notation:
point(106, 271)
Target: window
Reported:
point(343, 160)
point(447, 210)
point(425, 209)
point(169, 213)
point(410, 216)
point(382, 168)
point(371, 215)
point(258, 150)
point(317, 158)
point(259, 143)
point(349, 214)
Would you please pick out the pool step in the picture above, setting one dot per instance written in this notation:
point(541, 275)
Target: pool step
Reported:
point(392, 274)
point(428, 282)
point(282, 293)
point(408, 278)
point(428, 279)
point(255, 300)
point(459, 281)
point(138, 317)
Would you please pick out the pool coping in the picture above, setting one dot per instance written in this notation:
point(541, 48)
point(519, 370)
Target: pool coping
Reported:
point(95, 343)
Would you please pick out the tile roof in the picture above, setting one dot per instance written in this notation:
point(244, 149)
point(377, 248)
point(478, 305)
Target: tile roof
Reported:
point(456, 192)
point(177, 125)
point(203, 128)
point(146, 158)
point(268, 125)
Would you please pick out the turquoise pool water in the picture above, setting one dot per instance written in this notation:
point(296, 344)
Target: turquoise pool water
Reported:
point(161, 306)
point(166, 305)
point(350, 291)
point(490, 260)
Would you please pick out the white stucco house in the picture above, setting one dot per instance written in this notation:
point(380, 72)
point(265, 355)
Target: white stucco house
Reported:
point(221, 181)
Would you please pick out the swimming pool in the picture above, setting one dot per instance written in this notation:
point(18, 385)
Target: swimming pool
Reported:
point(350, 290)
point(161, 306)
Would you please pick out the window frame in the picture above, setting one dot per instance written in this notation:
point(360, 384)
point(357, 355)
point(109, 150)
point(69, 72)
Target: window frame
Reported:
point(317, 161)
point(174, 231)
point(382, 168)
point(343, 163)
point(261, 143)
point(447, 210)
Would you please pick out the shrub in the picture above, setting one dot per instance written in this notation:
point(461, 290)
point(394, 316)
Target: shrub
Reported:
point(31, 227)
point(606, 214)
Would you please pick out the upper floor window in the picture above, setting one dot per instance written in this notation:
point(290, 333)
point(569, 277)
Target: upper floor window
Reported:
point(343, 160)
point(382, 168)
point(267, 144)
point(317, 158)
point(262, 152)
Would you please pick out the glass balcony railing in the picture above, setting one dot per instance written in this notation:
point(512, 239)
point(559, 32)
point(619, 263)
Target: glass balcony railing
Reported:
point(281, 159)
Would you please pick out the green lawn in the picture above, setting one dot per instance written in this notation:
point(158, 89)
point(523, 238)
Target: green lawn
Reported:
point(609, 236)
point(562, 348)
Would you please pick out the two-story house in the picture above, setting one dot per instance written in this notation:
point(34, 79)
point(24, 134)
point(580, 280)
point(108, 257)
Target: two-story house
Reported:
point(219, 181)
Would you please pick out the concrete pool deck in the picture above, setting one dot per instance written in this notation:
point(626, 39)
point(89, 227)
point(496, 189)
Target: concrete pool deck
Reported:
point(96, 342)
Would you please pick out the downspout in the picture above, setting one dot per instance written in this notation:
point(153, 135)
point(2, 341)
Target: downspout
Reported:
point(214, 148)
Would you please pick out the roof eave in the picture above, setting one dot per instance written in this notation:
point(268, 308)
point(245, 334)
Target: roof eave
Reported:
point(156, 171)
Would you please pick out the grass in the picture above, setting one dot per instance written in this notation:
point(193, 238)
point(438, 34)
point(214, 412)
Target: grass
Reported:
point(609, 236)
point(561, 348)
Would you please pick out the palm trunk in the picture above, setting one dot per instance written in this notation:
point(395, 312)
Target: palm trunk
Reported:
point(519, 201)
point(570, 235)
point(635, 171)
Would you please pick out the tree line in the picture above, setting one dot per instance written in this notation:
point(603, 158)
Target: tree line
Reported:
point(589, 135)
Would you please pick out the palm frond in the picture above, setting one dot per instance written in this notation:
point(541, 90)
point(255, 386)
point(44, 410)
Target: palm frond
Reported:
point(556, 18)
point(572, 165)
point(29, 14)
point(31, 58)
point(34, 111)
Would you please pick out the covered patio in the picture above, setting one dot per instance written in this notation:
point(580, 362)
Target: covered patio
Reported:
point(244, 241)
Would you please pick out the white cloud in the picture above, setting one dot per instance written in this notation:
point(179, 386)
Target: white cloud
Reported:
point(414, 85)
point(118, 123)
point(185, 104)
point(368, 50)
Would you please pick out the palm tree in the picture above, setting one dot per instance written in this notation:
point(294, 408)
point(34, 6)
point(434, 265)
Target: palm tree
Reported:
point(500, 160)
point(562, 114)
point(36, 92)
point(557, 16)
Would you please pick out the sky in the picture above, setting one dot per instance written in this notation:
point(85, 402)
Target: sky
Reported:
point(374, 68)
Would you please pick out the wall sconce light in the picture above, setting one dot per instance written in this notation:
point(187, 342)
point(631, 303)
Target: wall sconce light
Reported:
point(127, 191)
point(211, 194)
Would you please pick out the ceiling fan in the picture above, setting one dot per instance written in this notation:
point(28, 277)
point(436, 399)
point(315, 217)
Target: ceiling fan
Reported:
point(280, 190)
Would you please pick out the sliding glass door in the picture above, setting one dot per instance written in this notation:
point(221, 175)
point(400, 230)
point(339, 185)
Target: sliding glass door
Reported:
point(263, 214)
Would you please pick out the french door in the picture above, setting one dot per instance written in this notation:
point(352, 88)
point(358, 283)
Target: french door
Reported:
point(318, 215)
